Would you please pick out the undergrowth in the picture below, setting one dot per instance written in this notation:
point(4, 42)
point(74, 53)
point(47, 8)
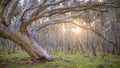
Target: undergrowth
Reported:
point(62, 60)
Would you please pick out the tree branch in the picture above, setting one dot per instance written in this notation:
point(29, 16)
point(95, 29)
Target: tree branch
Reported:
point(95, 31)
point(36, 12)
point(60, 22)
point(52, 21)
point(27, 8)
point(62, 11)
point(44, 6)
point(11, 11)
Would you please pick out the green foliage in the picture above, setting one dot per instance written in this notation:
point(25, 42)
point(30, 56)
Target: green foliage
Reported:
point(62, 60)
point(18, 54)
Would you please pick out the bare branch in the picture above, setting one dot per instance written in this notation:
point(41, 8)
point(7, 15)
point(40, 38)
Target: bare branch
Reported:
point(95, 31)
point(29, 4)
point(69, 9)
point(44, 1)
point(27, 8)
point(52, 21)
point(11, 11)
point(2, 12)
point(62, 11)
point(44, 6)
point(94, 7)
point(33, 15)
point(1, 15)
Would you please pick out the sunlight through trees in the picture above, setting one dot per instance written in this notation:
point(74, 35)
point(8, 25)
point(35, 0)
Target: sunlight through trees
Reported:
point(42, 28)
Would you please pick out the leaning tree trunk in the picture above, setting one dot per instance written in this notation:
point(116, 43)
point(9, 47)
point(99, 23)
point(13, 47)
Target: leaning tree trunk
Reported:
point(31, 47)
point(35, 51)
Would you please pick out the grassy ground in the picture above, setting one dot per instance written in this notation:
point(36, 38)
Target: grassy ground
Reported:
point(62, 61)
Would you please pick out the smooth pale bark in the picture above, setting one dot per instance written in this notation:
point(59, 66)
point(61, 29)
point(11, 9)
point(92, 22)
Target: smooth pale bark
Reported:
point(28, 42)
point(32, 48)
point(36, 52)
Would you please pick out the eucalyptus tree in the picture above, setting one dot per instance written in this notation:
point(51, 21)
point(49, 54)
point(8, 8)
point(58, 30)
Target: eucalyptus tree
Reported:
point(49, 12)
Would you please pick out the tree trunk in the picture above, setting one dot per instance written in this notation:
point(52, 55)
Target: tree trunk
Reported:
point(33, 49)
point(36, 52)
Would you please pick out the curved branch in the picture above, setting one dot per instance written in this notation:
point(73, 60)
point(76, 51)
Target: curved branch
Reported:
point(34, 13)
point(64, 10)
point(42, 7)
point(27, 8)
point(83, 27)
point(52, 21)
point(11, 11)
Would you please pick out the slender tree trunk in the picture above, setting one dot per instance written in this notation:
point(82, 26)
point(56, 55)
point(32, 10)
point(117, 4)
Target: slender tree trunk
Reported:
point(14, 47)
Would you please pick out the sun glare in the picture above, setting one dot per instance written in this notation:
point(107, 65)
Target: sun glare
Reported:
point(76, 30)
point(72, 28)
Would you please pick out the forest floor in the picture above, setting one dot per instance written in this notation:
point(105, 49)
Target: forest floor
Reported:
point(61, 61)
